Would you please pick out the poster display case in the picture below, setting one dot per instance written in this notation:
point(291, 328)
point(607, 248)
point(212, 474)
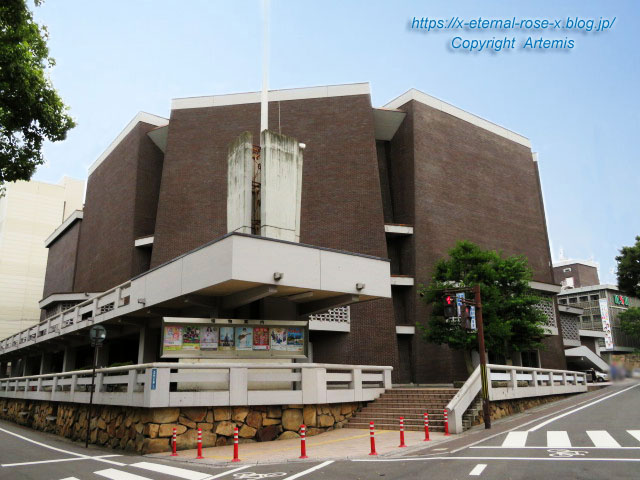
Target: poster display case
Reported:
point(233, 338)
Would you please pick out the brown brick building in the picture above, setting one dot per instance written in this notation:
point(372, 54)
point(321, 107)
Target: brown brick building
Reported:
point(375, 181)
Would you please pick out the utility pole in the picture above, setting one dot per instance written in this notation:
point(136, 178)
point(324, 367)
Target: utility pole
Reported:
point(486, 412)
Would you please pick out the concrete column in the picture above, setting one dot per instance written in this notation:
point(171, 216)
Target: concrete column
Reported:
point(147, 346)
point(69, 359)
point(45, 363)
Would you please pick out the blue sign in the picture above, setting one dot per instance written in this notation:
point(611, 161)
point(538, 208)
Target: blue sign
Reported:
point(154, 378)
point(459, 298)
point(472, 314)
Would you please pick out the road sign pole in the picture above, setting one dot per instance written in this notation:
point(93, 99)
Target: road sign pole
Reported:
point(483, 359)
point(93, 384)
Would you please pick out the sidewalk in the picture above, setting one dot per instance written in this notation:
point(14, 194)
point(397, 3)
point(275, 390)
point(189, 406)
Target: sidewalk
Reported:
point(337, 444)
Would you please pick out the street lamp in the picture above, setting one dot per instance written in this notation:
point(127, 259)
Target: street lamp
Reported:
point(97, 334)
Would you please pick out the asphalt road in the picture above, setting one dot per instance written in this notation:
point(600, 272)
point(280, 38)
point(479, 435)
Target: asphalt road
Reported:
point(592, 436)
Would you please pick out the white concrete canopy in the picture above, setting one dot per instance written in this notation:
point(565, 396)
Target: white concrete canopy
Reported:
point(386, 122)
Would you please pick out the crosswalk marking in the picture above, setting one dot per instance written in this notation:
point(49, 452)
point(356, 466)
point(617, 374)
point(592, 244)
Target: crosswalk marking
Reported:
point(635, 433)
point(601, 438)
point(477, 470)
point(71, 478)
point(113, 474)
point(558, 439)
point(175, 471)
point(515, 439)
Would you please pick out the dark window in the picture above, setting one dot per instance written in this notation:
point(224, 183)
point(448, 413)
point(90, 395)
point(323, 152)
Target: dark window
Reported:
point(530, 359)
point(595, 298)
point(562, 301)
point(573, 300)
point(584, 298)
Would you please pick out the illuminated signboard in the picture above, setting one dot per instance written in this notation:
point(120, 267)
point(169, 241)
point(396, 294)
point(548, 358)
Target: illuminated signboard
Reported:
point(621, 300)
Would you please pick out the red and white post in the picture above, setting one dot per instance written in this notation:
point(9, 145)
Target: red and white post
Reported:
point(402, 444)
point(199, 457)
point(426, 428)
point(174, 443)
point(303, 442)
point(446, 423)
point(373, 440)
point(235, 445)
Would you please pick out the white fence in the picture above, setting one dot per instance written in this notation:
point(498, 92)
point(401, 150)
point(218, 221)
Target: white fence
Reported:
point(185, 385)
point(509, 382)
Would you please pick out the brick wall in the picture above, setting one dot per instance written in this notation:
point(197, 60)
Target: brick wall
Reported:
point(61, 262)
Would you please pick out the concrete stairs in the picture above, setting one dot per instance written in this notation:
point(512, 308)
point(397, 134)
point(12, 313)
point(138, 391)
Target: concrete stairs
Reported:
point(410, 403)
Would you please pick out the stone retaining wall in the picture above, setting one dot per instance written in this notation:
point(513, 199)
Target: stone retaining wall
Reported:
point(504, 408)
point(146, 430)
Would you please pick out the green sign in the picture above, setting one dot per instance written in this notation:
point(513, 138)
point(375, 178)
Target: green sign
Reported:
point(620, 300)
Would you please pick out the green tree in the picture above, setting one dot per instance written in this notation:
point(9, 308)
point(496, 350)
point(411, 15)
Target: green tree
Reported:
point(629, 269)
point(30, 108)
point(630, 321)
point(511, 316)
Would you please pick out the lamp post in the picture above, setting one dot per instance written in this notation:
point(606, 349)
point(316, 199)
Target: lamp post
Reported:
point(97, 334)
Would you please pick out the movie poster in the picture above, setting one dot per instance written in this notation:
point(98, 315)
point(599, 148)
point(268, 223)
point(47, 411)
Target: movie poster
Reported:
point(172, 337)
point(278, 339)
point(295, 339)
point(191, 337)
point(261, 338)
point(244, 338)
point(208, 338)
point(227, 341)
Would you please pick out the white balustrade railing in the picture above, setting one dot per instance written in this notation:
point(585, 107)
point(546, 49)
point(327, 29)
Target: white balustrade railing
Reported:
point(172, 384)
point(83, 313)
point(510, 382)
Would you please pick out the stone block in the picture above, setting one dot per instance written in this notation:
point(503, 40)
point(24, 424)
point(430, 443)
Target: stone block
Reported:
point(186, 422)
point(150, 430)
point(197, 414)
point(325, 421)
point(225, 428)
point(292, 419)
point(206, 427)
point(160, 415)
point(240, 413)
point(189, 440)
point(309, 415)
point(247, 432)
point(270, 421)
point(266, 434)
point(155, 445)
point(221, 413)
point(288, 435)
point(254, 419)
point(166, 429)
point(274, 412)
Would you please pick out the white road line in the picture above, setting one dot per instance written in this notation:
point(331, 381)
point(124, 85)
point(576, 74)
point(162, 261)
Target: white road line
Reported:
point(71, 478)
point(515, 439)
point(98, 459)
point(57, 460)
point(558, 439)
point(634, 433)
point(309, 470)
point(113, 474)
point(558, 417)
point(477, 470)
point(175, 471)
point(601, 438)
point(229, 471)
point(573, 446)
point(522, 459)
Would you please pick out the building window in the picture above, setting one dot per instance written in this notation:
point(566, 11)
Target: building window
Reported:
point(530, 359)
point(566, 270)
point(573, 300)
point(585, 319)
point(584, 298)
point(597, 318)
point(562, 301)
point(595, 298)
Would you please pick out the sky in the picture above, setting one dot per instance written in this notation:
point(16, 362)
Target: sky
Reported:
point(579, 107)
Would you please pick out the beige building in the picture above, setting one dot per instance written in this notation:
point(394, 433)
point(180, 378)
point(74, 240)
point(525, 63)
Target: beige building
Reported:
point(29, 213)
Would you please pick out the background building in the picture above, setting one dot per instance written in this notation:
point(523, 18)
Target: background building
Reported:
point(575, 274)
point(29, 212)
point(403, 182)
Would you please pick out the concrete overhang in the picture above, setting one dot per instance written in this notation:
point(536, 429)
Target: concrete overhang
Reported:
point(545, 287)
point(143, 241)
point(591, 333)
point(65, 297)
point(396, 229)
point(76, 216)
point(586, 358)
point(571, 310)
point(386, 122)
point(159, 137)
point(239, 262)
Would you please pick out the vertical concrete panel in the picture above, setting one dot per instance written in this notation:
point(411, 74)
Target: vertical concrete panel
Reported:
point(239, 177)
point(280, 188)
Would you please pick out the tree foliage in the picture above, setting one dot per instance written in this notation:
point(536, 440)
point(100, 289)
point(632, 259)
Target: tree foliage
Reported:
point(30, 108)
point(630, 321)
point(511, 317)
point(629, 269)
